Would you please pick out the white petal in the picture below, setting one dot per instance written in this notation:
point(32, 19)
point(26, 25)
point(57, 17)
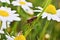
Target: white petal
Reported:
point(57, 19)
point(37, 10)
point(49, 17)
point(28, 10)
point(9, 19)
point(22, 0)
point(44, 15)
point(3, 25)
point(3, 1)
point(16, 15)
point(3, 8)
point(15, 3)
point(54, 17)
point(58, 13)
point(13, 11)
point(2, 32)
point(13, 37)
point(9, 38)
point(8, 1)
point(8, 24)
point(7, 8)
point(29, 4)
point(17, 18)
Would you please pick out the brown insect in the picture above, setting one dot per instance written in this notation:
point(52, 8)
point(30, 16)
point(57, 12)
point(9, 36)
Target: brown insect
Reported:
point(31, 19)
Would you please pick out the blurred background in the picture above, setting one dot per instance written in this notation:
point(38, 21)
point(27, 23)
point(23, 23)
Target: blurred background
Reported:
point(54, 27)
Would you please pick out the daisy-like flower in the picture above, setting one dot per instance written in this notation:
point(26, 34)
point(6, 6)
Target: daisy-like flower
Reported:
point(51, 13)
point(7, 16)
point(8, 1)
point(20, 37)
point(25, 6)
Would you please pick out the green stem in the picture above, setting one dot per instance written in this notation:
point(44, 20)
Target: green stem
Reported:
point(14, 28)
point(55, 35)
point(6, 5)
point(0, 4)
point(18, 9)
point(0, 24)
point(54, 38)
point(44, 30)
point(29, 30)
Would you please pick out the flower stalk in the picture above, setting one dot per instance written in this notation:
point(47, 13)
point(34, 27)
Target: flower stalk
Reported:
point(44, 30)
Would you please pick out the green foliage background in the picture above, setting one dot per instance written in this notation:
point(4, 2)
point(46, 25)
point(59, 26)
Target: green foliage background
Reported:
point(53, 29)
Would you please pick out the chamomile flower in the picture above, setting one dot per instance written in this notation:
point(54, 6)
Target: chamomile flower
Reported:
point(25, 6)
point(7, 16)
point(8, 1)
point(51, 13)
point(20, 37)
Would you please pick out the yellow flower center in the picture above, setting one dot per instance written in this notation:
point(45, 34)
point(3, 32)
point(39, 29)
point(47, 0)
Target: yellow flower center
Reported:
point(51, 9)
point(21, 37)
point(22, 3)
point(3, 13)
